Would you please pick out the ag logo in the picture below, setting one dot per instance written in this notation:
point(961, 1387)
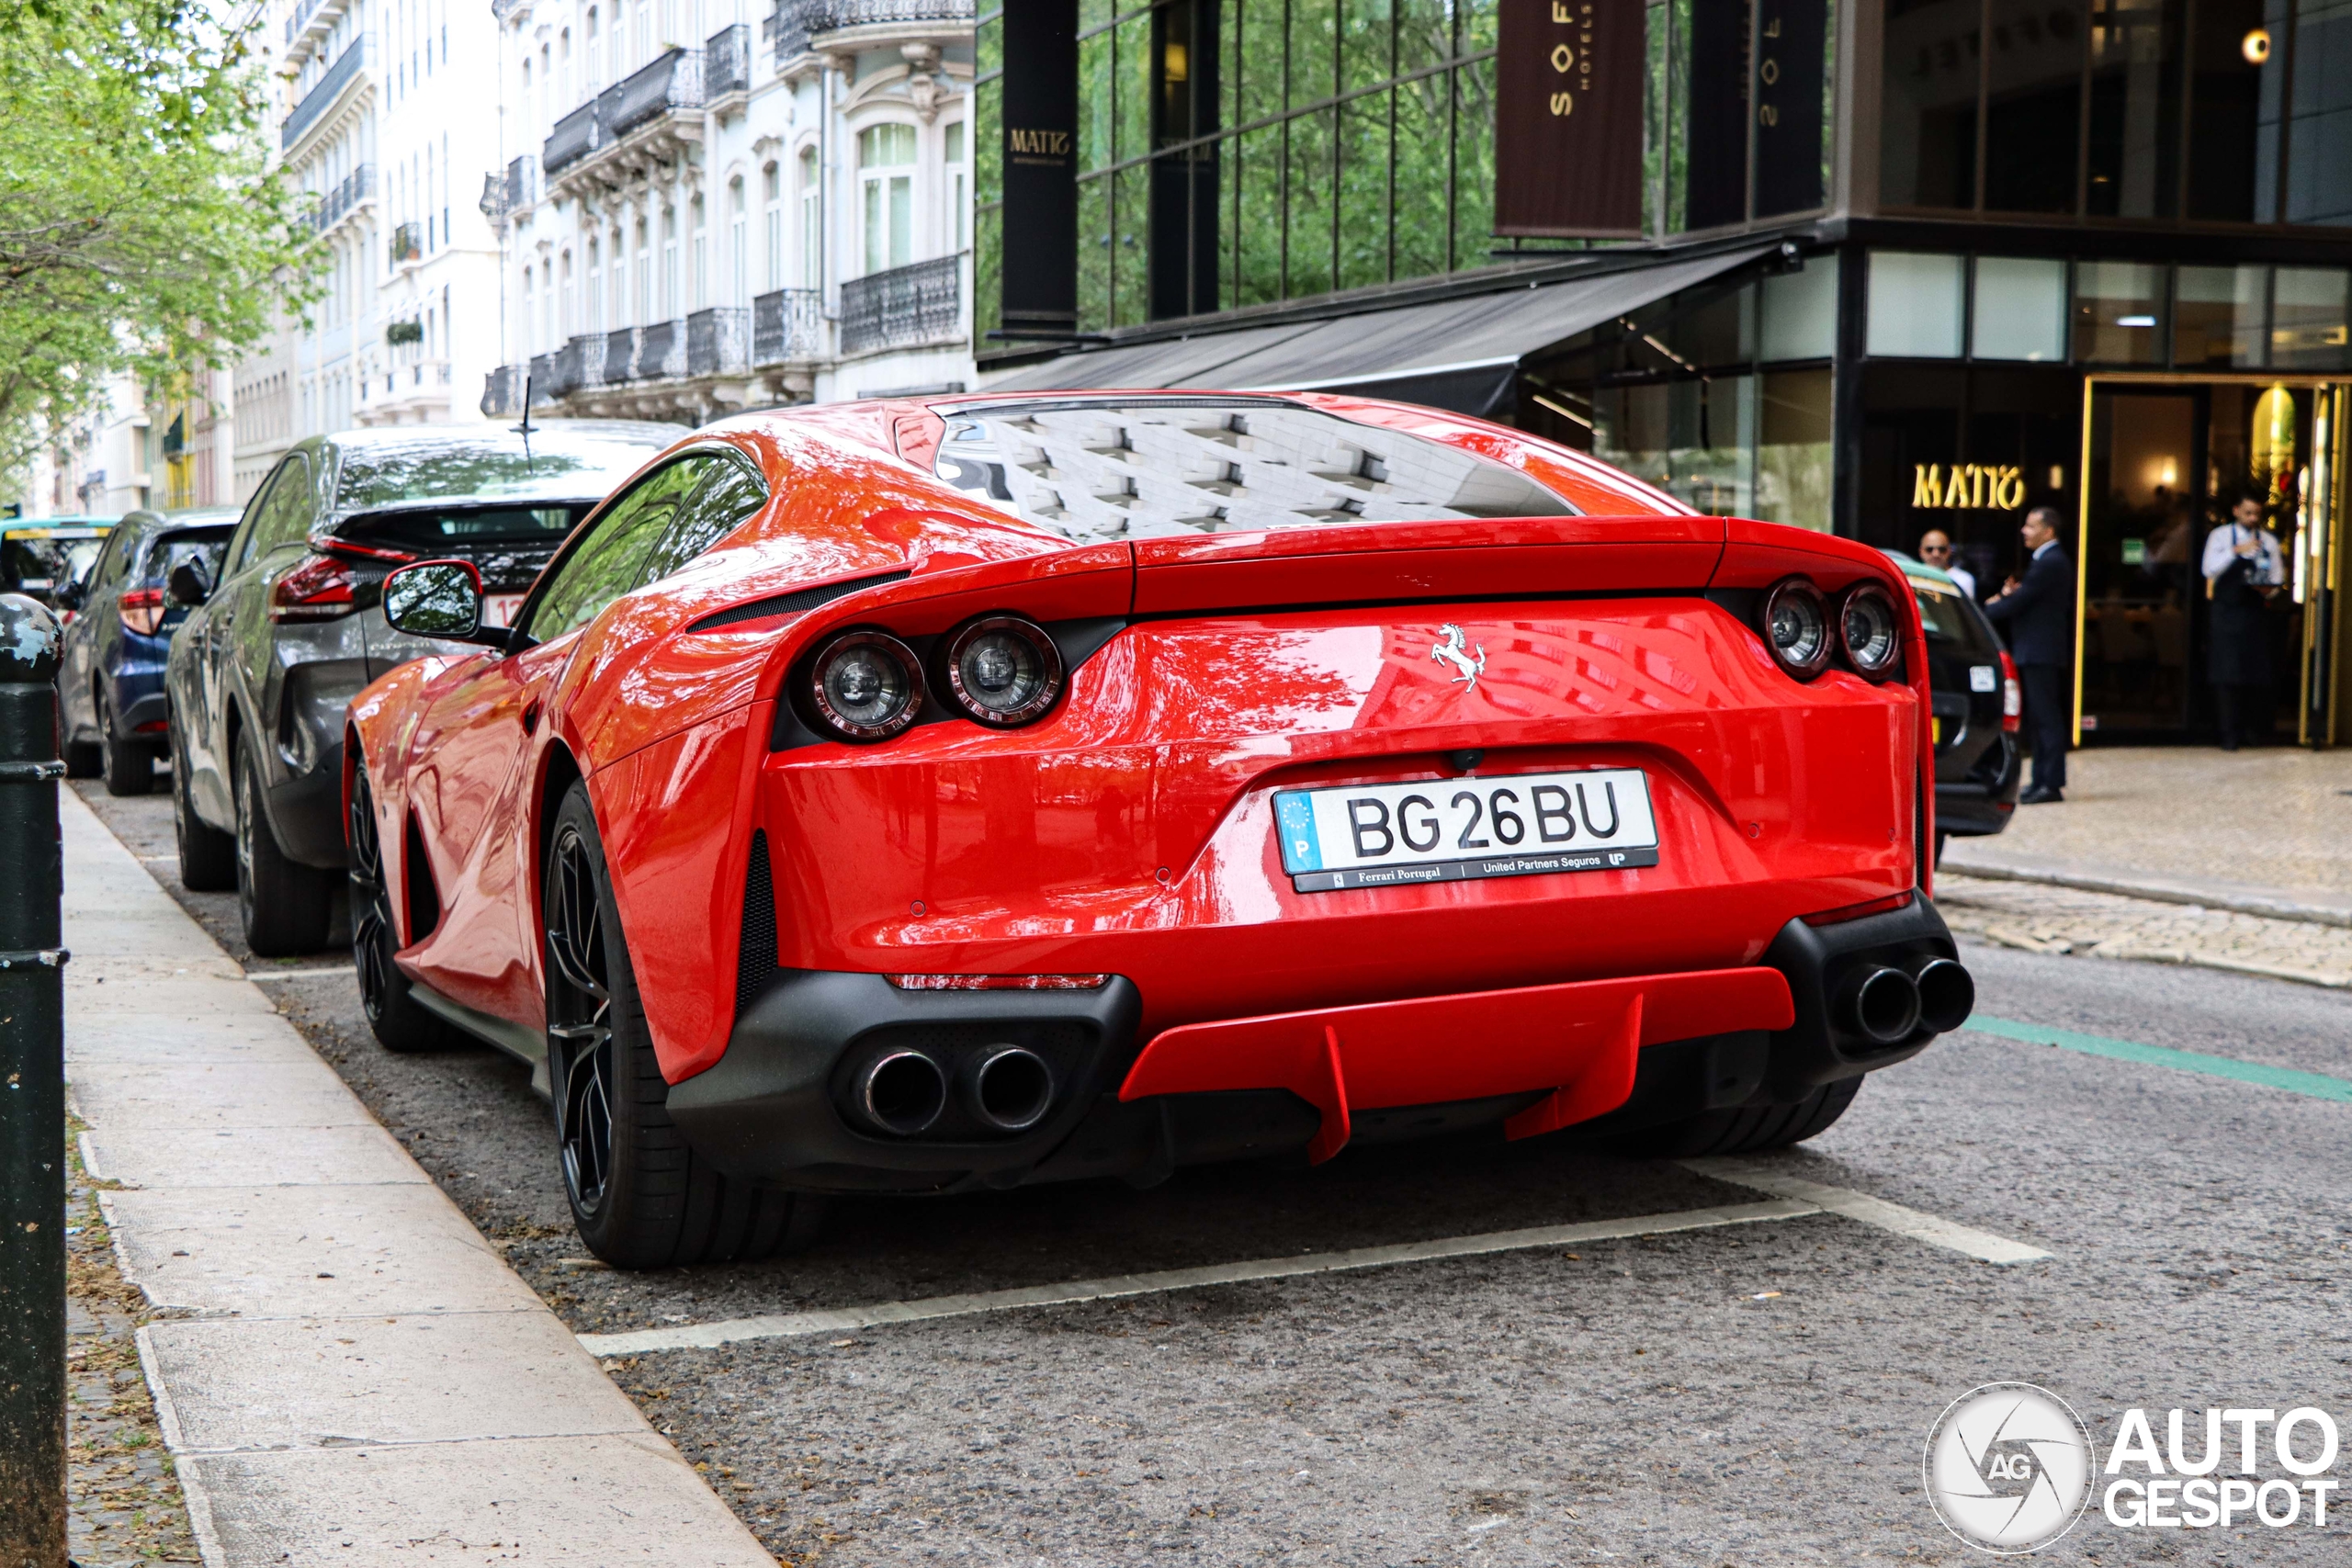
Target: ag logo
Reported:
point(2009, 1467)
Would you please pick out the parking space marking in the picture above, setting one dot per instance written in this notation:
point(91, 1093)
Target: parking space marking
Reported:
point(265, 975)
point(1861, 1206)
point(2317, 1085)
point(787, 1325)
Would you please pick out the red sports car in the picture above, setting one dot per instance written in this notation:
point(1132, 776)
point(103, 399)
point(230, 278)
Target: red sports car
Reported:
point(920, 797)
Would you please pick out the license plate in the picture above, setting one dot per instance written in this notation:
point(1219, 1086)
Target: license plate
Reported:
point(498, 609)
point(1462, 830)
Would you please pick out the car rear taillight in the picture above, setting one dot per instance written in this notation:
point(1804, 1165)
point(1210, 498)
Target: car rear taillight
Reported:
point(1796, 627)
point(318, 590)
point(143, 610)
point(1003, 671)
point(2012, 696)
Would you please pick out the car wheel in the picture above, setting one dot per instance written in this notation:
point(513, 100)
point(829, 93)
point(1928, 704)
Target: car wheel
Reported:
point(1748, 1130)
point(284, 905)
point(127, 766)
point(387, 995)
point(207, 855)
point(82, 758)
point(640, 1196)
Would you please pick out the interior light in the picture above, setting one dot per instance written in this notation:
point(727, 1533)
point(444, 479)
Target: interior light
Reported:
point(2135, 320)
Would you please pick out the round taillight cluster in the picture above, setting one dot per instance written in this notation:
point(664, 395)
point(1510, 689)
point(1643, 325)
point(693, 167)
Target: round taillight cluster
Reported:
point(1805, 631)
point(866, 684)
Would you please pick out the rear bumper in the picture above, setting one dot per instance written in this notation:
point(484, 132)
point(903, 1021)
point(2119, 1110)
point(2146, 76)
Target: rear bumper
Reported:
point(1640, 1050)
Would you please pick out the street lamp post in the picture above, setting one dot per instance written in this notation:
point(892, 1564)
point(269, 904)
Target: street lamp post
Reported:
point(32, 1096)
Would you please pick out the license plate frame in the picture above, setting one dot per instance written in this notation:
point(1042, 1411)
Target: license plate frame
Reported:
point(1314, 829)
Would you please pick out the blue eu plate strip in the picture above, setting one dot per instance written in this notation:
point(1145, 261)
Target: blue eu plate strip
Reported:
point(1294, 815)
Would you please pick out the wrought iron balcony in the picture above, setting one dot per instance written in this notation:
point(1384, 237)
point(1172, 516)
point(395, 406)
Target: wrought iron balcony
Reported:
point(671, 84)
point(727, 64)
point(337, 204)
point(795, 22)
point(620, 356)
point(564, 370)
point(718, 341)
point(662, 351)
point(667, 93)
point(501, 392)
point(356, 58)
point(788, 325)
point(542, 381)
point(903, 307)
point(585, 355)
point(575, 136)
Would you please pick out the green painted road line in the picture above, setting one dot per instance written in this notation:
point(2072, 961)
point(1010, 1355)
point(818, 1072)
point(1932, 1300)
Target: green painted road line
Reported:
point(2319, 1086)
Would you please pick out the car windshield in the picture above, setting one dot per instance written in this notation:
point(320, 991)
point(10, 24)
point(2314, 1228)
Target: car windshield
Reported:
point(1104, 471)
point(557, 462)
point(1949, 618)
point(167, 552)
point(432, 528)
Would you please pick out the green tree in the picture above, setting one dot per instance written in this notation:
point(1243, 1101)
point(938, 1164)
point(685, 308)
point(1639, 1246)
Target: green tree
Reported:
point(141, 228)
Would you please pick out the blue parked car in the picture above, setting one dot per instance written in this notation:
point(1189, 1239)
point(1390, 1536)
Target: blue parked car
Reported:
point(111, 709)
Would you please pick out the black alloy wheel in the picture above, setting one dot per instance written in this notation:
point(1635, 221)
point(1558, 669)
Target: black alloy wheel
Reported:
point(580, 1021)
point(284, 907)
point(641, 1196)
point(207, 855)
point(387, 995)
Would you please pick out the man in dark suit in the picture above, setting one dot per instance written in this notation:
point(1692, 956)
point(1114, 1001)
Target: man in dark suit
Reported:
point(2038, 611)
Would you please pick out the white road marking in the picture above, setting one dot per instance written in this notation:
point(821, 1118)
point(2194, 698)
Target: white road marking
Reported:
point(265, 976)
point(1980, 1244)
point(787, 1325)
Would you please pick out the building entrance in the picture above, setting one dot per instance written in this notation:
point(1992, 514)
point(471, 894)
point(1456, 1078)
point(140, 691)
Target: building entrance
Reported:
point(2166, 459)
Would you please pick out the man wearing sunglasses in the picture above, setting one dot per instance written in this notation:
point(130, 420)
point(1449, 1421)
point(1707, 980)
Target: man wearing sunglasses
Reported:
point(1935, 549)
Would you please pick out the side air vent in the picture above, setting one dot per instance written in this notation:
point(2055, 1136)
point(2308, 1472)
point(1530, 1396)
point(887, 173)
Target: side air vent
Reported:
point(424, 897)
point(793, 604)
point(756, 959)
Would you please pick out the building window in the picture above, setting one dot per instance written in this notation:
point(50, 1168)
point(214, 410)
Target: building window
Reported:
point(812, 220)
point(590, 65)
point(644, 274)
point(595, 285)
point(571, 322)
point(771, 221)
point(2217, 315)
point(886, 159)
point(669, 263)
point(738, 255)
point(2017, 309)
point(2118, 313)
point(1915, 305)
point(699, 294)
point(956, 228)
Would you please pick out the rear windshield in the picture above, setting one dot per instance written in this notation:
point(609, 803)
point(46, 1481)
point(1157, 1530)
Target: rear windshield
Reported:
point(1098, 471)
point(556, 464)
point(430, 528)
point(166, 552)
point(1950, 620)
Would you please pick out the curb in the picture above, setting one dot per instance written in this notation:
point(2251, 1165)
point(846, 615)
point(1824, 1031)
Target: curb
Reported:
point(2236, 900)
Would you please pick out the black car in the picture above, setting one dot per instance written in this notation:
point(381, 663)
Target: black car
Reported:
point(1976, 706)
point(111, 712)
point(293, 628)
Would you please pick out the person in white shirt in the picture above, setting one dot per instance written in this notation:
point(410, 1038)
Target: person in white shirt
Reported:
point(2245, 569)
point(1935, 549)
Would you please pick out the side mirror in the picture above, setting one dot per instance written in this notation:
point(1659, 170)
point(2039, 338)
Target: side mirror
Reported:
point(188, 584)
point(439, 599)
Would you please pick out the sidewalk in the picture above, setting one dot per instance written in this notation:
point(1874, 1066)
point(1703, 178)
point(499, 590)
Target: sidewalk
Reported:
point(2230, 861)
point(352, 1375)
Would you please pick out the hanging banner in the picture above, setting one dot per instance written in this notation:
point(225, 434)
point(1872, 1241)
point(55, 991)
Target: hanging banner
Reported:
point(1040, 166)
point(1568, 118)
point(1792, 42)
point(1714, 118)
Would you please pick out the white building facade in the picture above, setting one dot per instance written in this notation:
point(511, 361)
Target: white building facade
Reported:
point(387, 109)
point(706, 209)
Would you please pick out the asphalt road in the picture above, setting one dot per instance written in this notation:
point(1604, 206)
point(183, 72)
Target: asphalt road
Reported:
point(1753, 1395)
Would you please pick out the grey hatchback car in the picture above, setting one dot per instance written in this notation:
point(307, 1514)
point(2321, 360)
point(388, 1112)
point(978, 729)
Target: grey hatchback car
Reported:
point(270, 656)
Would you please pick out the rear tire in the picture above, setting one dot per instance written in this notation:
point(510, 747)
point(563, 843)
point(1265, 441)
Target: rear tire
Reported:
point(127, 766)
point(1748, 1130)
point(285, 906)
point(82, 758)
point(207, 855)
point(387, 995)
point(641, 1197)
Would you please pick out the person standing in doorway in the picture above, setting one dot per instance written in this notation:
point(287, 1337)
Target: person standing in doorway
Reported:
point(1935, 549)
point(2244, 570)
point(2037, 610)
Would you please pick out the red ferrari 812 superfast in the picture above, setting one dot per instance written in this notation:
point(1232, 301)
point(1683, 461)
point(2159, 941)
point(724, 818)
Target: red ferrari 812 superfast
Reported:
point(929, 796)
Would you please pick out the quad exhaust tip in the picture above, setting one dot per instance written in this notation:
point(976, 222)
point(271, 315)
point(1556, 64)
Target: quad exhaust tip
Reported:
point(1946, 994)
point(1010, 1088)
point(902, 1092)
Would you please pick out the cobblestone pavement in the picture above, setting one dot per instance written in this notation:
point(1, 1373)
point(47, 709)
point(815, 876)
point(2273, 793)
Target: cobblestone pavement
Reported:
point(2279, 816)
point(2037, 918)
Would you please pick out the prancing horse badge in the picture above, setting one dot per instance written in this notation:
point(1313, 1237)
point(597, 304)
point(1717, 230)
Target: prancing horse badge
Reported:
point(1451, 652)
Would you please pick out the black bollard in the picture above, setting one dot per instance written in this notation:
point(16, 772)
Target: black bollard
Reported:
point(32, 1096)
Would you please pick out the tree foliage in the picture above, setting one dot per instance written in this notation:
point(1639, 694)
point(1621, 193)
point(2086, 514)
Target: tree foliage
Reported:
point(141, 228)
